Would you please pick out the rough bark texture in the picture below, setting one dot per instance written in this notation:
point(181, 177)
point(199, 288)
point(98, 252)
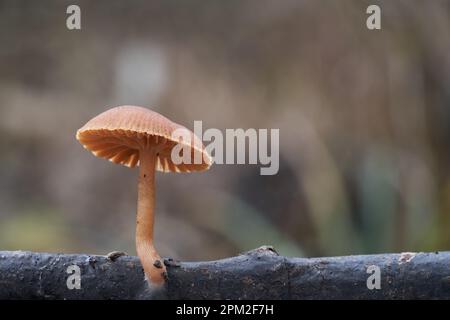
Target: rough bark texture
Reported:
point(257, 274)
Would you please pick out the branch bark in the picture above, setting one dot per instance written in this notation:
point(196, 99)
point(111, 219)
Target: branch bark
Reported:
point(257, 274)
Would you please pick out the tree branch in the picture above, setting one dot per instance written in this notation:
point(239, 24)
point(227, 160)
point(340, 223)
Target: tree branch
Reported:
point(257, 274)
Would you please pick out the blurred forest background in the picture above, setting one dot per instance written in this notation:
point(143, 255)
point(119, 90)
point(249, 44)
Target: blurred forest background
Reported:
point(364, 119)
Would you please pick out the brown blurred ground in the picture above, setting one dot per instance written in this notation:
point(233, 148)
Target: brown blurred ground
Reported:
point(364, 119)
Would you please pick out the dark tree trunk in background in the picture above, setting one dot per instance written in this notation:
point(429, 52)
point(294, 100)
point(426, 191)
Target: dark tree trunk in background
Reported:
point(257, 274)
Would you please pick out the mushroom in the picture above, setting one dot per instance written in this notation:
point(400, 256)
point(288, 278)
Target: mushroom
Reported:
point(131, 136)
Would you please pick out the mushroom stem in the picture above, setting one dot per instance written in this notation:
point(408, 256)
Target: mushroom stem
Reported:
point(152, 263)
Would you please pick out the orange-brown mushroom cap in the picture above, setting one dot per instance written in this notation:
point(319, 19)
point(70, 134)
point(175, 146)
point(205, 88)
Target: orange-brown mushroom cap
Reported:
point(119, 133)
